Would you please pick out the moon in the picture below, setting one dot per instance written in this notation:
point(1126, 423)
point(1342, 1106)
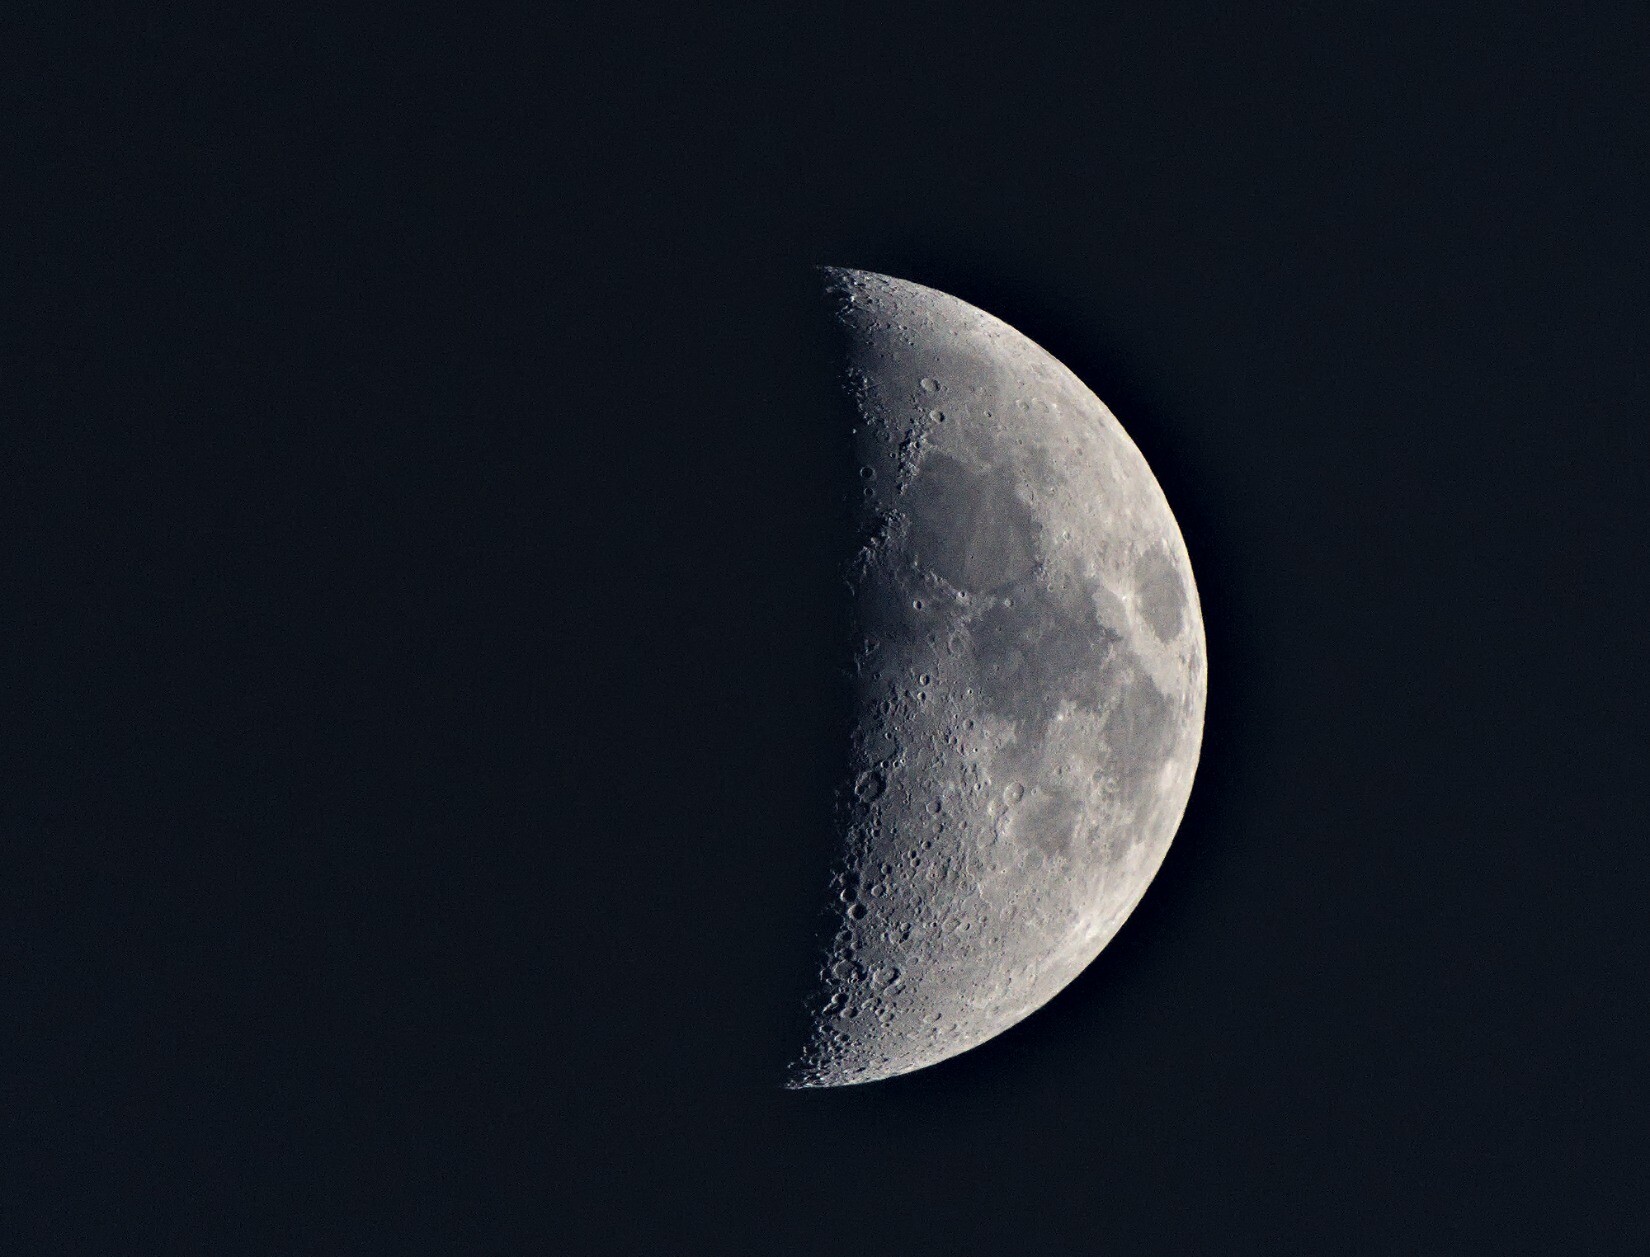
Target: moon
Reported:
point(1029, 680)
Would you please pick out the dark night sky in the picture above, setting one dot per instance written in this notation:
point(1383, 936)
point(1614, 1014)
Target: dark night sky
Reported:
point(418, 625)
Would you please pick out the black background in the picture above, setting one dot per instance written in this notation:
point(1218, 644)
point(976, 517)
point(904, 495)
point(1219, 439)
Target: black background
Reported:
point(418, 625)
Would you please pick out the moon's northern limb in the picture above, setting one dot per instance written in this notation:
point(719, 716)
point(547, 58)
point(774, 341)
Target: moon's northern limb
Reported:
point(1029, 679)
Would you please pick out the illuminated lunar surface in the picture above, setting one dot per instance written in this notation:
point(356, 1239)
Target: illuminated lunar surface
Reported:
point(1029, 680)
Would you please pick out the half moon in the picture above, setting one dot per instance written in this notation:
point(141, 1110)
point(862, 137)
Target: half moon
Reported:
point(1029, 682)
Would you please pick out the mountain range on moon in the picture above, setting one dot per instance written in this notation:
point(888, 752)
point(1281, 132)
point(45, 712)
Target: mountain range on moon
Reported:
point(1028, 676)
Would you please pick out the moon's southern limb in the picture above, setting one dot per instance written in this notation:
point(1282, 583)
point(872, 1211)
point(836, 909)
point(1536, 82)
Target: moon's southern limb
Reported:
point(1029, 681)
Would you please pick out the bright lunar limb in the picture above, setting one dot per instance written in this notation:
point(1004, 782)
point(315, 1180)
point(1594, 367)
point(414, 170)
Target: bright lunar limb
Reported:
point(1029, 679)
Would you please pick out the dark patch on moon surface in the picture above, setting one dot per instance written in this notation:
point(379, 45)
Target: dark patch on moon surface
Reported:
point(1035, 653)
point(1162, 597)
point(969, 528)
